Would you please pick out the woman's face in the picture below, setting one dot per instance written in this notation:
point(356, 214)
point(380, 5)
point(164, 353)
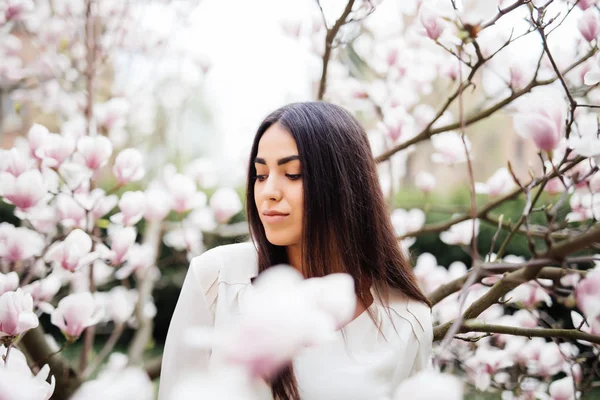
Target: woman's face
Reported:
point(278, 187)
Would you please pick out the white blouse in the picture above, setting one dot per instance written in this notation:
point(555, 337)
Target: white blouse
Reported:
point(363, 363)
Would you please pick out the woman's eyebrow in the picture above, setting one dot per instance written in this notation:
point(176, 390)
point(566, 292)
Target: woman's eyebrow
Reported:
point(281, 161)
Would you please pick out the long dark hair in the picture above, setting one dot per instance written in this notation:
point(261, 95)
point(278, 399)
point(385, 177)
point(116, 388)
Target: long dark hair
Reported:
point(346, 225)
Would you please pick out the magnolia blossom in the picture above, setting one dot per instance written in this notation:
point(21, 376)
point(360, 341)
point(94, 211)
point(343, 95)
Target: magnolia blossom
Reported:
point(406, 222)
point(121, 240)
point(429, 274)
point(460, 233)
point(530, 294)
point(73, 252)
point(589, 24)
point(119, 304)
point(425, 181)
point(18, 244)
point(132, 206)
point(225, 203)
point(280, 315)
point(430, 385)
point(203, 171)
point(587, 294)
point(55, 149)
point(16, 313)
point(586, 142)
point(25, 191)
point(184, 193)
point(431, 21)
point(159, 204)
point(18, 384)
point(500, 183)
point(485, 363)
point(14, 162)
point(592, 77)
point(542, 119)
point(70, 211)
point(93, 151)
point(76, 312)
point(129, 166)
point(43, 290)
point(140, 259)
point(562, 389)
point(187, 238)
point(117, 382)
point(449, 148)
point(8, 282)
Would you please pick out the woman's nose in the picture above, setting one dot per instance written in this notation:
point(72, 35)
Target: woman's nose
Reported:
point(271, 189)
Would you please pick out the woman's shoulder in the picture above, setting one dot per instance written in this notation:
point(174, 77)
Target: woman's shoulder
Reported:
point(234, 263)
point(417, 313)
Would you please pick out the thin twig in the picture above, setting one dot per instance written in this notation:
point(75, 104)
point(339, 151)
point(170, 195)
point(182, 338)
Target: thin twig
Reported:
point(329, 38)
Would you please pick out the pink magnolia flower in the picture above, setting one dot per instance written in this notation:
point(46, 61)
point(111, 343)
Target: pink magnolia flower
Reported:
point(16, 313)
point(308, 313)
point(96, 202)
point(542, 119)
point(529, 294)
point(121, 240)
point(188, 238)
point(19, 383)
point(43, 290)
point(184, 193)
point(432, 22)
point(398, 124)
point(159, 204)
point(72, 253)
point(562, 389)
point(460, 233)
point(500, 183)
point(132, 206)
point(203, 171)
point(16, 384)
point(407, 221)
point(18, 244)
point(425, 181)
point(25, 191)
point(8, 282)
point(15, 10)
point(589, 24)
point(592, 77)
point(129, 166)
point(36, 137)
point(93, 152)
point(70, 212)
point(225, 203)
point(587, 294)
point(140, 260)
point(15, 162)
point(428, 273)
point(449, 148)
point(430, 385)
point(55, 149)
point(76, 312)
point(117, 383)
point(585, 4)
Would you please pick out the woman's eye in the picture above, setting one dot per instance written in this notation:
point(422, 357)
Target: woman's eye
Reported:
point(261, 178)
point(293, 177)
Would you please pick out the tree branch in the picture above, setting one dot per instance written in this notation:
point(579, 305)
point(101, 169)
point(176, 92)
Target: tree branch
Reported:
point(572, 334)
point(329, 38)
point(428, 131)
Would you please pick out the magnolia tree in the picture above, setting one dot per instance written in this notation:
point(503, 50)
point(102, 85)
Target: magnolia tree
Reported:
point(82, 194)
point(91, 219)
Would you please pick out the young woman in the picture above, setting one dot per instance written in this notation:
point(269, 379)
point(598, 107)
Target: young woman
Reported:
point(314, 202)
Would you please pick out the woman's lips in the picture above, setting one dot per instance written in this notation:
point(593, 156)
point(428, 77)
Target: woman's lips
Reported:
point(274, 218)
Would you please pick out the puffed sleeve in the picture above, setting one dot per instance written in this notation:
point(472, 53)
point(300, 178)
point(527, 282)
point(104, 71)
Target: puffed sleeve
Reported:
point(195, 308)
point(417, 353)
